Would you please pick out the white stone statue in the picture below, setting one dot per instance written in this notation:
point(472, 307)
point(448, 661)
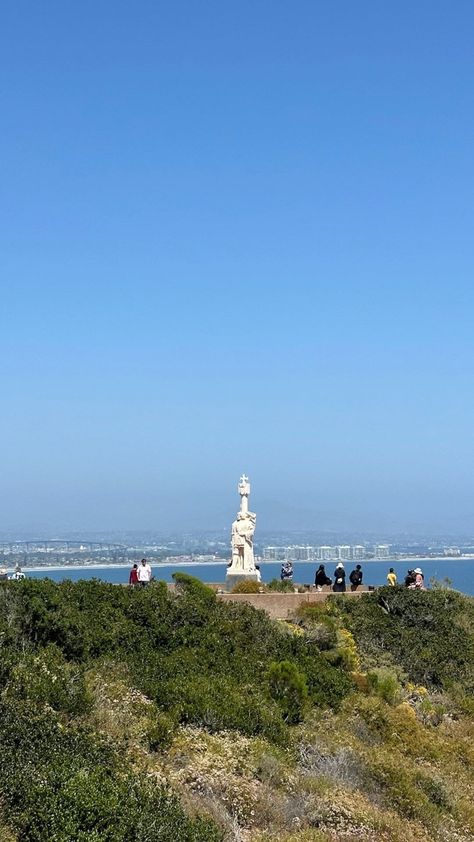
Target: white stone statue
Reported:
point(243, 528)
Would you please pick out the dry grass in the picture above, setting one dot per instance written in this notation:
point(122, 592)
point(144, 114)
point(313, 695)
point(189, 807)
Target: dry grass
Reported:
point(373, 771)
point(119, 710)
point(7, 835)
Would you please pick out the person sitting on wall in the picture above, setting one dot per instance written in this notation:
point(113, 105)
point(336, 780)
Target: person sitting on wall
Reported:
point(410, 579)
point(355, 577)
point(321, 578)
point(339, 585)
point(419, 578)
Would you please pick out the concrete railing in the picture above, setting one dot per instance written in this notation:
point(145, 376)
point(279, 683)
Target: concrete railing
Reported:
point(280, 606)
point(284, 606)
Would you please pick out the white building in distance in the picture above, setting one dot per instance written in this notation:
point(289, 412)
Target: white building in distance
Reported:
point(341, 552)
point(382, 551)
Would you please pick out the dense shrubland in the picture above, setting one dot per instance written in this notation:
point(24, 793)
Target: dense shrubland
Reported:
point(429, 635)
point(148, 715)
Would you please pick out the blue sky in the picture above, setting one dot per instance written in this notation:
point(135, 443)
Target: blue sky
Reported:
point(236, 237)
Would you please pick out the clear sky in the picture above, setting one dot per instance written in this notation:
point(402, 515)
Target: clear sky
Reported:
point(236, 237)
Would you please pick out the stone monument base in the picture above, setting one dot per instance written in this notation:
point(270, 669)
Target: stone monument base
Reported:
point(235, 576)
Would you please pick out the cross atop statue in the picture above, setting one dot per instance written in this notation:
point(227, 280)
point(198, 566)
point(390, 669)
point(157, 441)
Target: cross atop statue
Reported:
point(244, 491)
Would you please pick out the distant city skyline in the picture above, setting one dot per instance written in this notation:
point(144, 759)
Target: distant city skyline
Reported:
point(196, 550)
point(237, 238)
point(342, 552)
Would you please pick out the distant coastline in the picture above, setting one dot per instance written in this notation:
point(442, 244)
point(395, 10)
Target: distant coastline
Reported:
point(218, 562)
point(113, 565)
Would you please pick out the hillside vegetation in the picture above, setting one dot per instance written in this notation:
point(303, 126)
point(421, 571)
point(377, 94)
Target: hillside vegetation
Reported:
point(142, 715)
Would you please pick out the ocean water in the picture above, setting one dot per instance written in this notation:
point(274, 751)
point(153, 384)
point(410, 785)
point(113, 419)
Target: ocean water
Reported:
point(459, 571)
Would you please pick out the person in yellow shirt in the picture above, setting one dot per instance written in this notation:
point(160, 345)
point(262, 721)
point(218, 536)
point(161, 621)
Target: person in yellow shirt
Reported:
point(392, 577)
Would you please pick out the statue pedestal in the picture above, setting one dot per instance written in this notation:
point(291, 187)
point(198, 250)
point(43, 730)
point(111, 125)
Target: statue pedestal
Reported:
point(235, 576)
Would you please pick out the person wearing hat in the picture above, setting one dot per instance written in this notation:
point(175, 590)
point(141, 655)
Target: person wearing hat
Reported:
point(339, 579)
point(419, 578)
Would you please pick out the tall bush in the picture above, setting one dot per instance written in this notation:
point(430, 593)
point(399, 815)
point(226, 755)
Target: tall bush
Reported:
point(289, 689)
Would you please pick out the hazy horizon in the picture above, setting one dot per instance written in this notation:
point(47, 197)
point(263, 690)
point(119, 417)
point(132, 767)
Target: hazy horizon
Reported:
point(237, 239)
point(273, 516)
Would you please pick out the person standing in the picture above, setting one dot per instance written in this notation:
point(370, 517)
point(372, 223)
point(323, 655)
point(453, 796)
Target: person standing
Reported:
point(339, 585)
point(144, 573)
point(286, 573)
point(392, 577)
point(133, 577)
point(355, 577)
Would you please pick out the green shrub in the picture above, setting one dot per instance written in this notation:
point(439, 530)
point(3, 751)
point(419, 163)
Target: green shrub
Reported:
point(385, 684)
point(248, 586)
point(347, 651)
point(160, 733)
point(321, 627)
point(194, 588)
point(199, 659)
point(288, 688)
point(46, 678)
point(374, 716)
point(327, 685)
point(187, 657)
point(323, 635)
point(222, 704)
point(414, 793)
point(435, 791)
point(429, 634)
point(66, 785)
point(281, 586)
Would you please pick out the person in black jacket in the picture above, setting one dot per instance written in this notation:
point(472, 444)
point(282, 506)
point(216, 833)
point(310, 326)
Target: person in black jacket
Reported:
point(321, 578)
point(410, 579)
point(339, 579)
point(355, 577)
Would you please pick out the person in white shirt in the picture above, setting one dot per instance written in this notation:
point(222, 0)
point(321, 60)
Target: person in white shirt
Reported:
point(144, 572)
